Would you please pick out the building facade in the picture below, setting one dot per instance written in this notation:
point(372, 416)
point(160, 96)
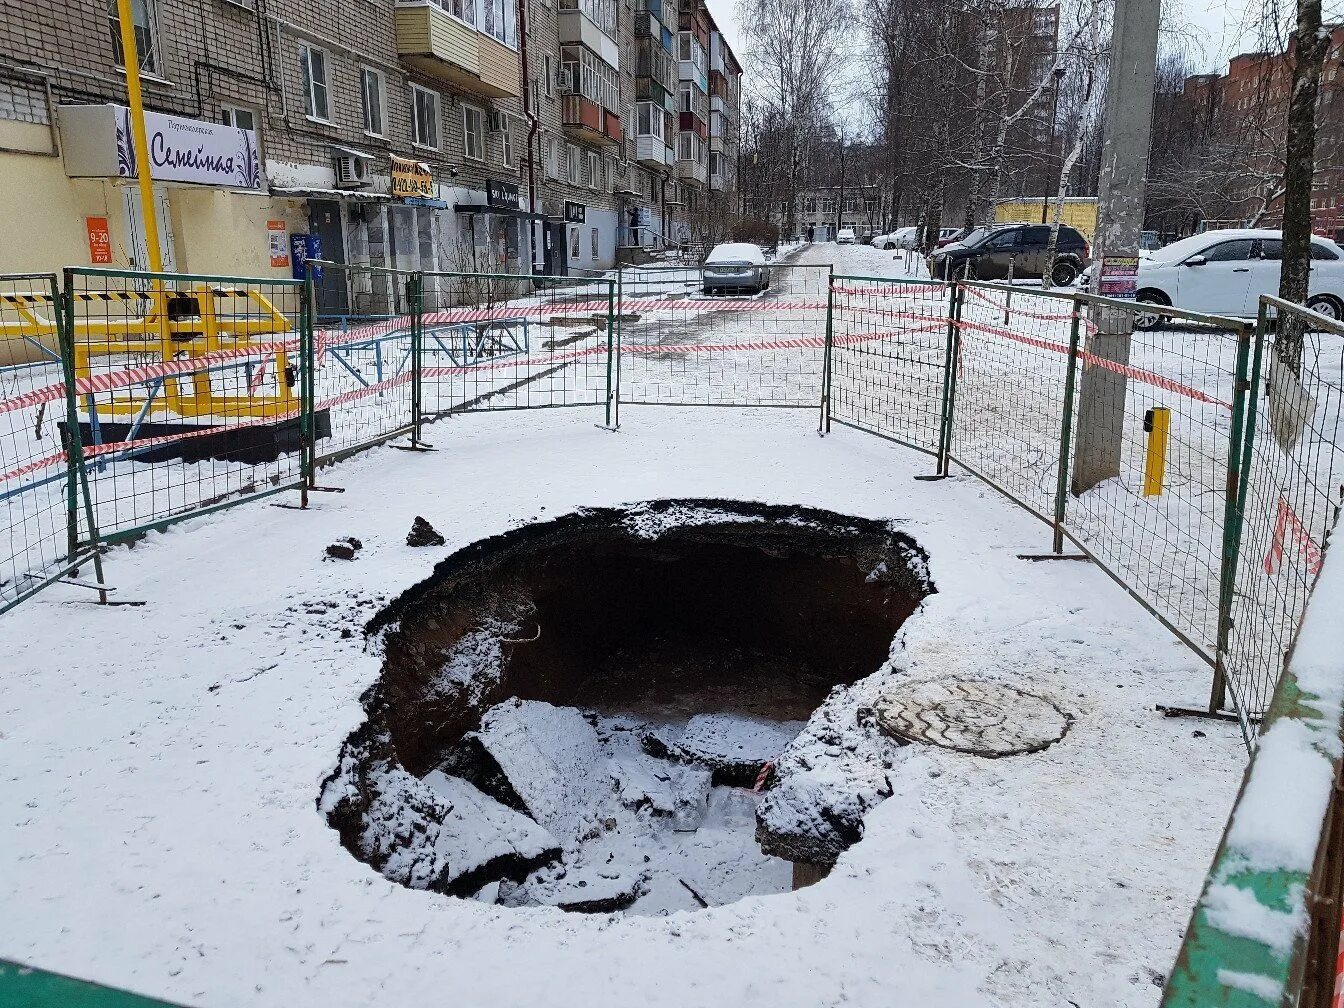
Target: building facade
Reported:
point(502, 136)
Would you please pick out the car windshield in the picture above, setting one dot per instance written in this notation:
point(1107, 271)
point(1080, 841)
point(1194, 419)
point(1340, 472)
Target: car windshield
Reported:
point(975, 237)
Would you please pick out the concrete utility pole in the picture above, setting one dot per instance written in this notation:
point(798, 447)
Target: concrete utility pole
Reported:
point(1124, 169)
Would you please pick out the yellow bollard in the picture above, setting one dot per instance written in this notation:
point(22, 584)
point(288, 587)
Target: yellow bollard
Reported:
point(1157, 421)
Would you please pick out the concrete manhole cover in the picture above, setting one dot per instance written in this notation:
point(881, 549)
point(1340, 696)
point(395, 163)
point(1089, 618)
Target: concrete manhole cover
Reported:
point(971, 716)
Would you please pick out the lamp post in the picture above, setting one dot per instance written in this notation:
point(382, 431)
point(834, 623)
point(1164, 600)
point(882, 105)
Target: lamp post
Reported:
point(1050, 147)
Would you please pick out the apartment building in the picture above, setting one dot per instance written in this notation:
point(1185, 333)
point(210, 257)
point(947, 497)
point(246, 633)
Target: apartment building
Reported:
point(470, 135)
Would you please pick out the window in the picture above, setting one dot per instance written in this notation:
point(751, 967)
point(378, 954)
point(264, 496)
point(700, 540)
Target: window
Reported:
point(1230, 251)
point(551, 153)
point(1036, 237)
point(1271, 248)
point(595, 253)
point(685, 103)
point(424, 117)
point(473, 133)
point(684, 46)
point(810, 205)
point(506, 154)
point(600, 12)
point(589, 169)
point(548, 65)
point(374, 88)
point(498, 20)
point(649, 120)
point(1319, 251)
point(573, 244)
point(239, 118)
point(572, 155)
point(144, 19)
point(827, 205)
point(316, 94)
point(464, 10)
point(592, 77)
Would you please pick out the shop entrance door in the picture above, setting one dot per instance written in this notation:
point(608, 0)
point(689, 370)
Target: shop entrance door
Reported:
point(324, 220)
point(556, 262)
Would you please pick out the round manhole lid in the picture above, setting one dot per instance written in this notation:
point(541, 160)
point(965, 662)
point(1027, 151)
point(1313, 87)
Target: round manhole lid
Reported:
point(971, 716)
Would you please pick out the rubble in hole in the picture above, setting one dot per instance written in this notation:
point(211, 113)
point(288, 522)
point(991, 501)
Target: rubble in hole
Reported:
point(645, 710)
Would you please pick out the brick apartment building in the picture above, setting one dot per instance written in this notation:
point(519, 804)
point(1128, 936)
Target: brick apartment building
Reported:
point(478, 135)
point(1221, 138)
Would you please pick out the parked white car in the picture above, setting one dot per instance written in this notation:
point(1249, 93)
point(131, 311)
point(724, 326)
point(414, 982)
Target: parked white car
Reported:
point(845, 236)
point(735, 266)
point(1225, 272)
point(902, 238)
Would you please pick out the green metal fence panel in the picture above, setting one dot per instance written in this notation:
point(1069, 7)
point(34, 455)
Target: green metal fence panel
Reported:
point(888, 360)
point(364, 377)
point(499, 342)
point(189, 392)
point(25, 987)
point(695, 339)
point(41, 511)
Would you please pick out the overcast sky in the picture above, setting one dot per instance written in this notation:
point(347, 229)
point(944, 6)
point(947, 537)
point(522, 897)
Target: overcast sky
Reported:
point(1217, 29)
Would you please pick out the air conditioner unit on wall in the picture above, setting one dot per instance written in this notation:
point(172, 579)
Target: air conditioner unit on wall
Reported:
point(351, 172)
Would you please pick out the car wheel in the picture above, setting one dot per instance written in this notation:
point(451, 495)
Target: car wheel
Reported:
point(709, 292)
point(888, 246)
point(1064, 274)
point(1324, 304)
point(1147, 321)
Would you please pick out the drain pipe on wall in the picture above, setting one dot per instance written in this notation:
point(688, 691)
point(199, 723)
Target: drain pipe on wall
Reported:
point(532, 125)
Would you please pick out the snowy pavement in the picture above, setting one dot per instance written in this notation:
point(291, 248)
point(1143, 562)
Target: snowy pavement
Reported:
point(162, 764)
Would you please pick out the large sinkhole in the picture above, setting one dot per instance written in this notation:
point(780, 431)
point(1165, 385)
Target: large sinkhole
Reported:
point(643, 709)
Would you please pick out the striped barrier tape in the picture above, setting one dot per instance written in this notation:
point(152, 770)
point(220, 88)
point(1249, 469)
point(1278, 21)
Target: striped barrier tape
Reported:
point(1288, 524)
point(1128, 371)
point(934, 287)
point(1066, 317)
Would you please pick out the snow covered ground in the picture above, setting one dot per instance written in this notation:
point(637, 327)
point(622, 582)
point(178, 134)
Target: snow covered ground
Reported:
point(162, 764)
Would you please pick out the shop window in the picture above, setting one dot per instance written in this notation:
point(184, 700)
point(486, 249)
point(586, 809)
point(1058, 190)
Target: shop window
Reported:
point(595, 255)
point(573, 244)
point(473, 132)
point(239, 118)
point(145, 20)
point(424, 117)
point(374, 87)
point(316, 91)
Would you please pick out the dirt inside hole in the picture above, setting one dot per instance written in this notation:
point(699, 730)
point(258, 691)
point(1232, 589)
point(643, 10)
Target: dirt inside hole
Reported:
point(575, 713)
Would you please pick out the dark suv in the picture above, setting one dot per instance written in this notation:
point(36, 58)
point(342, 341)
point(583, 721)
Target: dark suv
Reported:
point(989, 253)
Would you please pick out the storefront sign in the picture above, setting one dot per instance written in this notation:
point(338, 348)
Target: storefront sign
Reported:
point(190, 150)
point(412, 178)
point(502, 194)
point(1119, 277)
point(278, 236)
point(100, 240)
point(576, 213)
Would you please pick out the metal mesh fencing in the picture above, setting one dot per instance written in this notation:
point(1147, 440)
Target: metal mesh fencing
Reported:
point(888, 365)
point(39, 470)
point(1290, 492)
point(191, 392)
point(681, 346)
point(1156, 427)
point(1012, 362)
point(365, 364)
point(510, 342)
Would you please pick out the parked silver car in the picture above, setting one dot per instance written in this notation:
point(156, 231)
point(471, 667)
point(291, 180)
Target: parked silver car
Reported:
point(735, 266)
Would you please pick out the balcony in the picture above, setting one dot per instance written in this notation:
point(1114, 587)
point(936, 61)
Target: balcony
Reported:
point(451, 51)
point(590, 122)
point(689, 122)
point(694, 172)
point(649, 150)
point(718, 183)
point(577, 29)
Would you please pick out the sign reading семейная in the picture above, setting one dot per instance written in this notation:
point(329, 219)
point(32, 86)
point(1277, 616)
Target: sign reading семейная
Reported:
point(97, 142)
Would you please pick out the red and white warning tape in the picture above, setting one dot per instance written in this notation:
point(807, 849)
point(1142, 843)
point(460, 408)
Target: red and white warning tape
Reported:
point(1288, 525)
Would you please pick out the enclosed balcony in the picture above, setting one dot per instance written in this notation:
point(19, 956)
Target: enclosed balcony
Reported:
point(718, 183)
point(449, 50)
point(589, 122)
point(649, 150)
point(694, 172)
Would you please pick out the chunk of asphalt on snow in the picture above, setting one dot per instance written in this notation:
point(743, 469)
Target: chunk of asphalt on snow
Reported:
point(734, 747)
point(481, 841)
point(554, 763)
point(678, 792)
point(422, 533)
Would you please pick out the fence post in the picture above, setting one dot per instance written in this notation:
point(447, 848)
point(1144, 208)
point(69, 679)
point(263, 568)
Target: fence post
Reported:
point(1066, 426)
point(824, 423)
point(1238, 456)
point(950, 357)
point(77, 475)
point(307, 400)
point(611, 342)
point(415, 295)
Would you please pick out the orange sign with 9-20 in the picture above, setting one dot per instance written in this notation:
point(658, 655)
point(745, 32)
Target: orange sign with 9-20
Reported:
point(100, 240)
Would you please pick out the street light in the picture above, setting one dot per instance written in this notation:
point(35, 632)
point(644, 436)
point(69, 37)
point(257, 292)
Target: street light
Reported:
point(1050, 146)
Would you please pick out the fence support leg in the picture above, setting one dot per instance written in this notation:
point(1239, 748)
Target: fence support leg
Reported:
point(1066, 429)
point(77, 477)
point(951, 355)
point(824, 423)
